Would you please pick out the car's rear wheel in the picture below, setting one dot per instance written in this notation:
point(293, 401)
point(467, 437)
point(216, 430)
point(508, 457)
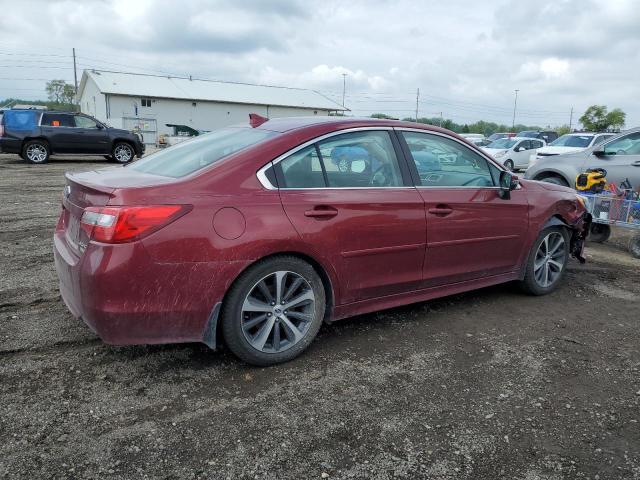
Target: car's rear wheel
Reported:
point(547, 261)
point(634, 246)
point(273, 311)
point(599, 232)
point(556, 180)
point(509, 165)
point(123, 152)
point(36, 151)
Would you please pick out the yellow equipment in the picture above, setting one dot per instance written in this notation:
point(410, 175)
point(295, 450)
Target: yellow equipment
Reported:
point(593, 180)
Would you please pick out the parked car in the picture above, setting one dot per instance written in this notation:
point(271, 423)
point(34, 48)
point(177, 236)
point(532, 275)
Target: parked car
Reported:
point(618, 155)
point(548, 136)
point(475, 138)
point(514, 152)
point(498, 136)
point(571, 142)
point(258, 234)
point(180, 134)
point(36, 135)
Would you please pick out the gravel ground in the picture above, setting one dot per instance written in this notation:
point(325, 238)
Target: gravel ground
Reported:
point(489, 384)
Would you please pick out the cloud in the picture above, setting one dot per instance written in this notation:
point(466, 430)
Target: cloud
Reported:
point(466, 61)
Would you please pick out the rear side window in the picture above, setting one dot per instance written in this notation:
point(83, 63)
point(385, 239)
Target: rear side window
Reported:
point(200, 152)
point(57, 120)
point(359, 159)
point(20, 119)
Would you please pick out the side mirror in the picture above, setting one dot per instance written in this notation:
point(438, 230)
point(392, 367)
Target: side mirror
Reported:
point(99, 126)
point(520, 149)
point(599, 152)
point(508, 182)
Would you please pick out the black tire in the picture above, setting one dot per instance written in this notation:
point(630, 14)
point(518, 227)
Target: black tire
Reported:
point(530, 283)
point(634, 246)
point(233, 315)
point(509, 165)
point(123, 152)
point(36, 151)
point(556, 180)
point(599, 232)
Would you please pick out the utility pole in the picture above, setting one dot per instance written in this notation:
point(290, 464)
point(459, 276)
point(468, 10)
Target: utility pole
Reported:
point(344, 86)
point(570, 119)
point(75, 75)
point(440, 119)
point(515, 103)
point(417, 98)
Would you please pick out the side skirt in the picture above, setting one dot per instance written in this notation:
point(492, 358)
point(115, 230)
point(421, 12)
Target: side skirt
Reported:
point(391, 301)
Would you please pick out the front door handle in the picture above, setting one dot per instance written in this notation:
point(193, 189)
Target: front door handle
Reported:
point(636, 163)
point(440, 210)
point(321, 212)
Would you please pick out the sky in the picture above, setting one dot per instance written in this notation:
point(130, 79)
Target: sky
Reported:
point(466, 57)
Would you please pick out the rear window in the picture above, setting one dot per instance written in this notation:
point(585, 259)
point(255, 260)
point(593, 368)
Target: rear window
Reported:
point(200, 152)
point(57, 120)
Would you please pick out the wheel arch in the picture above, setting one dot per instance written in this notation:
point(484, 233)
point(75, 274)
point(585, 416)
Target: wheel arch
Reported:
point(552, 173)
point(212, 335)
point(25, 140)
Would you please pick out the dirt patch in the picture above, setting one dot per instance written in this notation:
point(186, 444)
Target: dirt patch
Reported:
point(489, 384)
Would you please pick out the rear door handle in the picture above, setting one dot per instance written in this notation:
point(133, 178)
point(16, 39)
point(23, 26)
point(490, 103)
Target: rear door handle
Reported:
point(636, 163)
point(317, 212)
point(440, 210)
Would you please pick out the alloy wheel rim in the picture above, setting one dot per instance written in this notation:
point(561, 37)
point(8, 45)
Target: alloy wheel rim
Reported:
point(123, 153)
point(549, 260)
point(36, 153)
point(277, 312)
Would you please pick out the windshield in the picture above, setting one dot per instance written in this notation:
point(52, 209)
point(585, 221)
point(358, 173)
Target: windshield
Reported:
point(502, 144)
point(497, 136)
point(572, 141)
point(528, 134)
point(204, 150)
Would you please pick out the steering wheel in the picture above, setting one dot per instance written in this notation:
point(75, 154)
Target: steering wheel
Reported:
point(477, 181)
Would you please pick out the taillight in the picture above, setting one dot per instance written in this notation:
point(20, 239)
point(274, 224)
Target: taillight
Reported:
point(125, 224)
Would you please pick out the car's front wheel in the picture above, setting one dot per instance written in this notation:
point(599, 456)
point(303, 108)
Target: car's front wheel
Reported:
point(547, 261)
point(123, 152)
point(273, 311)
point(556, 180)
point(509, 165)
point(36, 151)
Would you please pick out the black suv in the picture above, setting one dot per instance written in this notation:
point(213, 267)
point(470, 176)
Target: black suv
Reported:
point(36, 134)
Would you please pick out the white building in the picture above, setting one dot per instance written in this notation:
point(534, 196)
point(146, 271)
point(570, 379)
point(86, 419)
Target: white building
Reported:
point(149, 102)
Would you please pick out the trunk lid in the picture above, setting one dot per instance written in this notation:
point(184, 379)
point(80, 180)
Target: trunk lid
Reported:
point(95, 189)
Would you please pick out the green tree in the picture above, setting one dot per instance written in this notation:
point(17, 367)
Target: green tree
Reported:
point(597, 118)
point(68, 93)
point(563, 130)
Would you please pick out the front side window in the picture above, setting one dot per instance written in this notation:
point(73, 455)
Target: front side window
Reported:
point(524, 145)
point(357, 159)
point(601, 138)
point(443, 162)
point(188, 157)
point(85, 122)
point(627, 145)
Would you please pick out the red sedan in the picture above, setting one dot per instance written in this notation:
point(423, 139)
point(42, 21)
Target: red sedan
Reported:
point(254, 235)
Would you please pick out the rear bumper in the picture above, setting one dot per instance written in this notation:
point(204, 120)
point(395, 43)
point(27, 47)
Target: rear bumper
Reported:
point(10, 145)
point(126, 298)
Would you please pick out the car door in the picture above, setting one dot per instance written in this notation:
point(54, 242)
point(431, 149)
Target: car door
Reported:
point(620, 158)
point(349, 196)
point(90, 136)
point(534, 145)
point(471, 232)
point(521, 152)
point(58, 129)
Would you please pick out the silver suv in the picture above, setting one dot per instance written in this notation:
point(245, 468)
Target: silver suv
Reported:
point(619, 156)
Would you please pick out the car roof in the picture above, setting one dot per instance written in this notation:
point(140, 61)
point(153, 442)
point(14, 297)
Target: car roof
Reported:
point(282, 125)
